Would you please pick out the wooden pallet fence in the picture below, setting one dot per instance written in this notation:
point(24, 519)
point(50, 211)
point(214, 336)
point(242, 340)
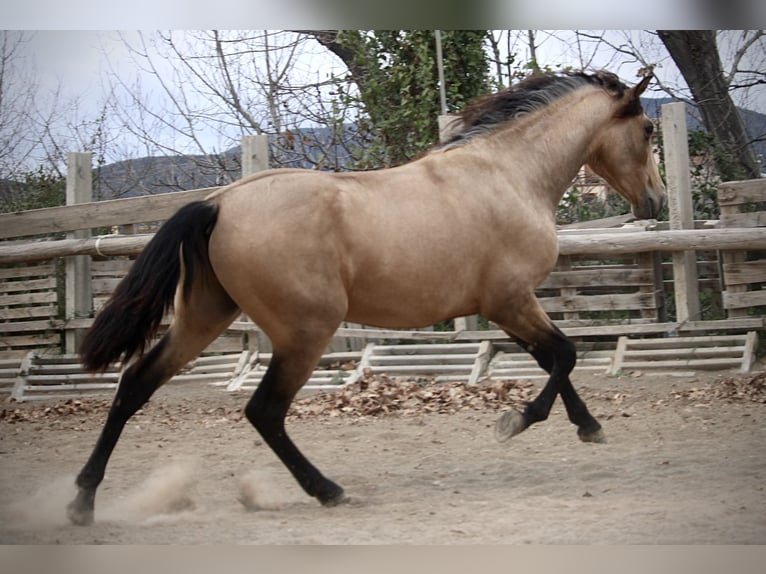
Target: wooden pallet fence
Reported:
point(444, 362)
point(28, 306)
point(713, 352)
point(743, 205)
point(61, 377)
point(334, 370)
point(511, 362)
point(585, 290)
point(105, 276)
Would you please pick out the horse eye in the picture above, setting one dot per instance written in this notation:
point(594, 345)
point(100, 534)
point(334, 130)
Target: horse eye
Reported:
point(649, 129)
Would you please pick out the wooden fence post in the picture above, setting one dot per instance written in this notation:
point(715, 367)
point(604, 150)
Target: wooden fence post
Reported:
point(255, 158)
point(255, 154)
point(77, 286)
point(448, 124)
point(674, 137)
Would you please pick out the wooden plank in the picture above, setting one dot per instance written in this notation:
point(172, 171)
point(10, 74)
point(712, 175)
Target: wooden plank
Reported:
point(61, 379)
point(600, 322)
point(52, 220)
point(738, 192)
point(748, 219)
point(567, 292)
point(613, 302)
point(607, 278)
point(382, 334)
point(42, 340)
point(225, 344)
point(721, 363)
point(427, 349)
point(743, 300)
point(31, 389)
point(685, 353)
point(19, 313)
point(25, 271)
point(681, 342)
point(745, 272)
point(20, 383)
point(110, 267)
point(619, 277)
point(9, 354)
point(25, 327)
point(633, 328)
point(611, 244)
point(105, 285)
point(732, 258)
point(607, 222)
point(748, 356)
point(619, 356)
point(481, 362)
point(48, 283)
point(448, 359)
point(671, 240)
point(28, 298)
point(420, 369)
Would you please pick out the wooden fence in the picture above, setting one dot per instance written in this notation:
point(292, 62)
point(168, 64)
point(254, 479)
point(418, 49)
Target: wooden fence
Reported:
point(608, 282)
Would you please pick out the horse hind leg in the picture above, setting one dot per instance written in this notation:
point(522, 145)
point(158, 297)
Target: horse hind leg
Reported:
point(557, 355)
point(289, 369)
point(190, 332)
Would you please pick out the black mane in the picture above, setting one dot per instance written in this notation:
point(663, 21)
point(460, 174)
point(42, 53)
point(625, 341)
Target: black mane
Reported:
point(529, 95)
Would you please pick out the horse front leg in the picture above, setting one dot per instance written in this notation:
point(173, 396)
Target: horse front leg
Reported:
point(267, 409)
point(557, 355)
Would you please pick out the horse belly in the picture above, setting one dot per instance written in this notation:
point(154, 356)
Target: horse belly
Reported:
point(403, 301)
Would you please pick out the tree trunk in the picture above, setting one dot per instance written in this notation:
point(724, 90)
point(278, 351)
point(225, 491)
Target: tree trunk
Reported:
point(695, 52)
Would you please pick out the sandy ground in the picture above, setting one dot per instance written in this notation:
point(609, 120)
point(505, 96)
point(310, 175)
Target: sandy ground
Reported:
point(683, 465)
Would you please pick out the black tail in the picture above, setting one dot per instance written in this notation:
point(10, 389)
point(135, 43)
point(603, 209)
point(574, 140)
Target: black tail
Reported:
point(132, 315)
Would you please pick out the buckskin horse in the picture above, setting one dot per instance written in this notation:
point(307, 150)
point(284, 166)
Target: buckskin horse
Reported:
point(468, 227)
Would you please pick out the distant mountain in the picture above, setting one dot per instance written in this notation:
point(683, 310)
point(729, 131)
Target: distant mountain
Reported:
point(318, 147)
point(310, 148)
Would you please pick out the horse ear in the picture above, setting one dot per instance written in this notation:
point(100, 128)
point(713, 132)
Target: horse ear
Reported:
point(639, 88)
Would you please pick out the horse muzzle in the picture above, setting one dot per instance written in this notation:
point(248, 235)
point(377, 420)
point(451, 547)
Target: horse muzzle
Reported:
point(652, 205)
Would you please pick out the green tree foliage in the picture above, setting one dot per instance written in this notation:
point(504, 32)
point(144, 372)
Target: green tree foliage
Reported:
point(396, 74)
point(37, 189)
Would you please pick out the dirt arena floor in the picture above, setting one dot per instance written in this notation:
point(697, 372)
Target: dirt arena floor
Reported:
point(685, 463)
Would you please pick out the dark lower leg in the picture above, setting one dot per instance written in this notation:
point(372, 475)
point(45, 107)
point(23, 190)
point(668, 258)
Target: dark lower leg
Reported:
point(557, 356)
point(137, 385)
point(267, 410)
point(588, 428)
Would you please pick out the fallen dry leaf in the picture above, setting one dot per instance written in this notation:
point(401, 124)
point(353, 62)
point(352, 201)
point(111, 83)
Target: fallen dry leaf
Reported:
point(376, 395)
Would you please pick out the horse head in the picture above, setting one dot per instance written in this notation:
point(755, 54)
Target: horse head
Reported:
point(622, 153)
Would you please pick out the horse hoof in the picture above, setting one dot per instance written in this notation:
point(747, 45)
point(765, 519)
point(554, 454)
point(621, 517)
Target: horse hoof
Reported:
point(79, 516)
point(508, 425)
point(339, 499)
point(333, 497)
point(596, 436)
point(342, 499)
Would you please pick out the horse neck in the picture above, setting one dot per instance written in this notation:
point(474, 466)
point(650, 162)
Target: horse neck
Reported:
point(555, 142)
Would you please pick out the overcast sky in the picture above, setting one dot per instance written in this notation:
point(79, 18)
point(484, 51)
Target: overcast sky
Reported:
point(77, 62)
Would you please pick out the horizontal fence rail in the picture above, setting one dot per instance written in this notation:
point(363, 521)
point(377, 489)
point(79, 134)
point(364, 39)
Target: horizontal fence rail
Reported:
point(596, 244)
